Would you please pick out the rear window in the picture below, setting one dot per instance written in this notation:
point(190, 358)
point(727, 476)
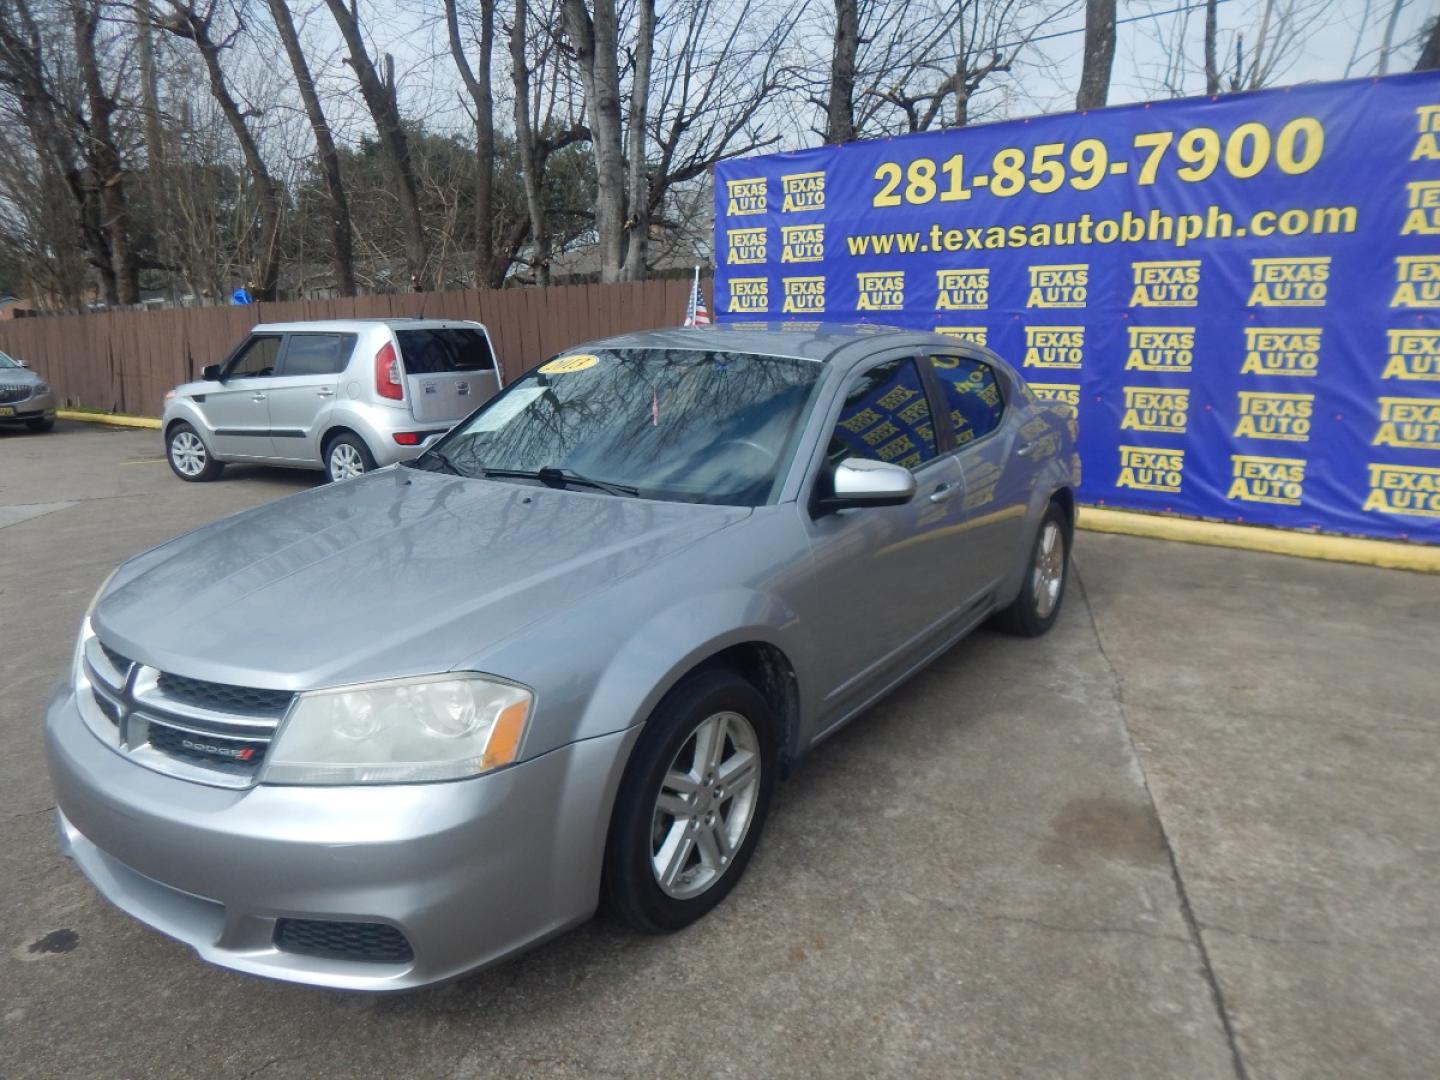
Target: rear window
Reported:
point(434, 352)
point(317, 354)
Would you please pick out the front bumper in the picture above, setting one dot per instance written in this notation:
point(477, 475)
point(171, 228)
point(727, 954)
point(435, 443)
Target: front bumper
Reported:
point(37, 407)
point(470, 871)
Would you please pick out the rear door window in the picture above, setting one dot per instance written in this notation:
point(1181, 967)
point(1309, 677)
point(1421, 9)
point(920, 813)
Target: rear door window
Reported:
point(317, 354)
point(438, 352)
point(972, 396)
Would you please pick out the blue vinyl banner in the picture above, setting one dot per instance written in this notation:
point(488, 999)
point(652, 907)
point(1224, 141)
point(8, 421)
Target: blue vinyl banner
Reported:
point(1241, 295)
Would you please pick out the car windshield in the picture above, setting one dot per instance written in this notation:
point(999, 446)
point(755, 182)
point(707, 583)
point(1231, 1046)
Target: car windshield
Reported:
point(677, 424)
point(6, 362)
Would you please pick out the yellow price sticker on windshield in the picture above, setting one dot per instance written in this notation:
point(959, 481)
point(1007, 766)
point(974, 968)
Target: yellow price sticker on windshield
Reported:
point(564, 365)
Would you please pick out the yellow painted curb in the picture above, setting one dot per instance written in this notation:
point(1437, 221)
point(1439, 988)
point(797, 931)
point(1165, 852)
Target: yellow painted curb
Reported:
point(1386, 553)
point(107, 418)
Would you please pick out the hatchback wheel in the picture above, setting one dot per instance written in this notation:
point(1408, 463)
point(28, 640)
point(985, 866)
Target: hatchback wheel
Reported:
point(189, 457)
point(1035, 609)
point(347, 457)
point(692, 804)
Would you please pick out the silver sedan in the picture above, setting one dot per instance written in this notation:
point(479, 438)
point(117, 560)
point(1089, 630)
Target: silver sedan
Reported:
point(25, 398)
point(385, 732)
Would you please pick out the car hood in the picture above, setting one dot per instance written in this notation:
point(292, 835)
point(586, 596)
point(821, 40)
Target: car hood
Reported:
point(19, 377)
point(396, 573)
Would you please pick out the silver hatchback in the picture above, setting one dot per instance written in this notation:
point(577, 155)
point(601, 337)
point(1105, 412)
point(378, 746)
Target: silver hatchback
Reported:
point(345, 396)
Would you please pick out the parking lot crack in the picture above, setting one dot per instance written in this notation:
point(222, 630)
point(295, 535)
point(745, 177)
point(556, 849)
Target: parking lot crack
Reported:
point(1187, 912)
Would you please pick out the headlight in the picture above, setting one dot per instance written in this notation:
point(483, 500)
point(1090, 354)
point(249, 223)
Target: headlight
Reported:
point(87, 631)
point(437, 727)
point(42, 388)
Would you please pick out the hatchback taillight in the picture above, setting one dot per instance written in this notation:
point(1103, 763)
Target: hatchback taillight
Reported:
point(387, 373)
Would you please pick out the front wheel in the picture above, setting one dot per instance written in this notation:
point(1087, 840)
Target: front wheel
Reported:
point(189, 457)
point(1035, 609)
point(692, 804)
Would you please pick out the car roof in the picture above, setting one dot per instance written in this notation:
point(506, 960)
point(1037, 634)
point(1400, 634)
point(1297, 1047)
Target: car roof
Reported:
point(819, 341)
point(356, 326)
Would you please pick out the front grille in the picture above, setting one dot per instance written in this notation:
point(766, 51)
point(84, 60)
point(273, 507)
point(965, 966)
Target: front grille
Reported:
point(206, 749)
point(121, 663)
point(373, 943)
point(107, 706)
point(211, 732)
point(12, 392)
point(222, 697)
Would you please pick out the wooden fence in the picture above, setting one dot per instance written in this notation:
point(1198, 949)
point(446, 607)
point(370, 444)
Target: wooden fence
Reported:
point(124, 361)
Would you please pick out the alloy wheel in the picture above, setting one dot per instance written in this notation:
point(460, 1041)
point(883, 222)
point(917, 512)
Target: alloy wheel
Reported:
point(1048, 574)
point(705, 805)
point(188, 453)
point(345, 462)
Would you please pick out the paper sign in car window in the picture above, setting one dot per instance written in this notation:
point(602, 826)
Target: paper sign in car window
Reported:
point(565, 365)
point(507, 408)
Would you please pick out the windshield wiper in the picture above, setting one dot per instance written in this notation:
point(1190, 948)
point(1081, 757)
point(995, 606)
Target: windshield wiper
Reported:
point(552, 476)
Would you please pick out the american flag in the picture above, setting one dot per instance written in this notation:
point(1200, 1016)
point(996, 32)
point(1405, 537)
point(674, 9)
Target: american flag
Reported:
point(696, 314)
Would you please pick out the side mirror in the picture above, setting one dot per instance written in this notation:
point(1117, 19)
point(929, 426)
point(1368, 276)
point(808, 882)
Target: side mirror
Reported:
point(859, 482)
point(22, 363)
point(210, 373)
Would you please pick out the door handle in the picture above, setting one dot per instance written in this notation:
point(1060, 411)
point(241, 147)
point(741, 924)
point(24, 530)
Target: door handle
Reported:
point(325, 391)
point(943, 492)
point(1028, 449)
point(258, 397)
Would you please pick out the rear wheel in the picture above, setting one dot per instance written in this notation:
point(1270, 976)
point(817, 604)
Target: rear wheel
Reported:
point(44, 424)
point(347, 456)
point(693, 802)
point(189, 457)
point(1036, 608)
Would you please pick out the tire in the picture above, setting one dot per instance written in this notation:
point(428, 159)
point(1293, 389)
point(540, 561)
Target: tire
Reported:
point(41, 426)
point(645, 835)
point(190, 459)
point(1036, 608)
point(347, 456)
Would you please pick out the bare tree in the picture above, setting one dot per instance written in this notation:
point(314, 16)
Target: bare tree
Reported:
point(477, 84)
point(154, 137)
point(380, 99)
point(1430, 49)
point(920, 65)
point(1278, 38)
point(531, 164)
point(1099, 54)
point(840, 102)
point(1387, 44)
point(195, 23)
point(343, 249)
point(105, 172)
point(596, 42)
point(1212, 30)
point(637, 220)
point(44, 109)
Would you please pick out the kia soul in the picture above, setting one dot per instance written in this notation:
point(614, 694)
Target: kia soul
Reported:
point(346, 396)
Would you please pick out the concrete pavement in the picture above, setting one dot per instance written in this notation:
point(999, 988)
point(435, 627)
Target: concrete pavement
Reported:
point(1189, 833)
